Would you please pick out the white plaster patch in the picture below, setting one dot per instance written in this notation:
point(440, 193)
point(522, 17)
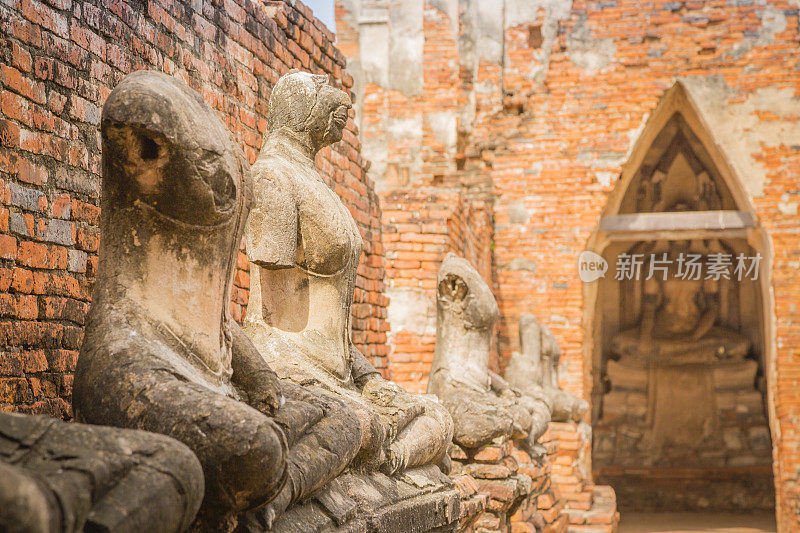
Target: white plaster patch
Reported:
point(404, 128)
point(449, 8)
point(608, 159)
point(411, 310)
point(486, 87)
point(518, 214)
point(376, 151)
point(520, 263)
point(773, 21)
point(586, 52)
point(489, 42)
point(467, 113)
point(374, 51)
point(633, 135)
point(406, 43)
point(605, 178)
point(525, 11)
point(786, 206)
point(737, 128)
point(559, 320)
point(443, 125)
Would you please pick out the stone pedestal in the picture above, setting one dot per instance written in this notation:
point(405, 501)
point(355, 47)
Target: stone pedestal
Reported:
point(473, 502)
point(553, 493)
point(497, 475)
point(542, 510)
point(728, 469)
point(421, 500)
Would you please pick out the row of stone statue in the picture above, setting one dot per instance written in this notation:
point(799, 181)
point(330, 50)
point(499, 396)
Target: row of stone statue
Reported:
point(247, 425)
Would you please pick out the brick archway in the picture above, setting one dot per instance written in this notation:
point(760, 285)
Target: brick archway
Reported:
point(676, 127)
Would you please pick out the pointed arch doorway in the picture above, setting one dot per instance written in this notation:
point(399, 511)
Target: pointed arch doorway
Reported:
point(679, 333)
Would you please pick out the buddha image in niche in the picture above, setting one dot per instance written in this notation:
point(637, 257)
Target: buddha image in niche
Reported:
point(680, 311)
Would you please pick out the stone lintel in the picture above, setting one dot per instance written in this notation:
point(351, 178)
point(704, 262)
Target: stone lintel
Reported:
point(678, 221)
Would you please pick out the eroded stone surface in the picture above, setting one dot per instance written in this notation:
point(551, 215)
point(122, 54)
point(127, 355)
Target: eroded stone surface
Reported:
point(161, 351)
point(60, 477)
point(483, 406)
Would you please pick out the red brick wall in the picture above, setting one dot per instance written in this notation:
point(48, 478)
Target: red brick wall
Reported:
point(420, 228)
point(577, 125)
point(554, 122)
point(60, 59)
point(783, 163)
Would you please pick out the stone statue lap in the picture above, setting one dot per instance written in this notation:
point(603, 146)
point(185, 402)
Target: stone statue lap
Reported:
point(58, 477)
point(160, 351)
point(483, 405)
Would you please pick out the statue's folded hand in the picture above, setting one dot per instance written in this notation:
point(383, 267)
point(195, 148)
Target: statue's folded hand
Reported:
point(395, 406)
point(266, 399)
point(252, 375)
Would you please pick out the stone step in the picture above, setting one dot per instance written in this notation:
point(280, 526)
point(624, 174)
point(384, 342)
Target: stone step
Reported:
point(591, 529)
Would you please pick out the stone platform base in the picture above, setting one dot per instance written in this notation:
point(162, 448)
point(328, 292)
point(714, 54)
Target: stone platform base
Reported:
point(601, 517)
point(497, 476)
point(665, 489)
point(418, 501)
point(552, 493)
point(473, 502)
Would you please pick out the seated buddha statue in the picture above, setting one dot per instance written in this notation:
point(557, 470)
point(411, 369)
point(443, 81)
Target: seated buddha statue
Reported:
point(161, 352)
point(675, 350)
point(483, 405)
point(304, 247)
point(534, 371)
point(60, 477)
point(678, 319)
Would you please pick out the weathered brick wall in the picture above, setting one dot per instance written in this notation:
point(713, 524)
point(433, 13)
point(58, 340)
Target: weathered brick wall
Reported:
point(608, 65)
point(411, 99)
point(419, 229)
point(557, 93)
point(60, 60)
point(782, 222)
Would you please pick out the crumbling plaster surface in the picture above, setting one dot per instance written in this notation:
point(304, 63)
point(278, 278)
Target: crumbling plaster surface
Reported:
point(391, 56)
point(519, 12)
point(412, 310)
point(450, 9)
point(406, 40)
point(586, 52)
point(373, 26)
point(352, 9)
point(489, 29)
point(737, 128)
point(443, 125)
point(773, 21)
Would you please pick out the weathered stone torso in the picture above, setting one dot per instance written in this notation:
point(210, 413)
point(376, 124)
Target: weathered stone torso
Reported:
point(326, 263)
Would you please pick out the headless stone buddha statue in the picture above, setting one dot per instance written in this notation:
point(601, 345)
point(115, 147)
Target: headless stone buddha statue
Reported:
point(160, 351)
point(483, 405)
point(304, 247)
point(678, 319)
point(57, 477)
point(534, 371)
